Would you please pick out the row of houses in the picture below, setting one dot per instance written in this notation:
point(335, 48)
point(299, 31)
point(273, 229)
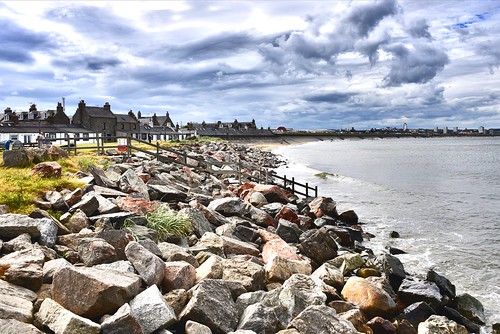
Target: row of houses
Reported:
point(88, 122)
point(91, 121)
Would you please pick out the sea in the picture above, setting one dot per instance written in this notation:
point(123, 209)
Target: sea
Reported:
point(442, 195)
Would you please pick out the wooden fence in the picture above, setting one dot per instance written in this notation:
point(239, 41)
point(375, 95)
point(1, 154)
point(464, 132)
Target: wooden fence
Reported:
point(241, 170)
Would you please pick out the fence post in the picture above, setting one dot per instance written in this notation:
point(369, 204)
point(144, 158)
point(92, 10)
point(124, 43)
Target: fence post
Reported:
point(157, 151)
point(239, 171)
point(315, 191)
point(293, 184)
point(284, 181)
point(307, 189)
point(129, 145)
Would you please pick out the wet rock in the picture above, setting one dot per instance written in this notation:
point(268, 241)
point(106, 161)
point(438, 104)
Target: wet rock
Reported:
point(320, 246)
point(321, 319)
point(13, 326)
point(454, 315)
point(13, 225)
point(213, 306)
point(369, 297)
point(178, 275)
point(322, 206)
point(150, 267)
point(470, 307)
point(412, 291)
point(259, 319)
point(380, 325)
point(288, 231)
point(349, 217)
point(393, 269)
point(444, 284)
point(418, 312)
point(102, 291)
point(60, 320)
point(441, 325)
point(274, 193)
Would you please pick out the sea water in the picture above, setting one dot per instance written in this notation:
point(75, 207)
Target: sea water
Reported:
point(441, 194)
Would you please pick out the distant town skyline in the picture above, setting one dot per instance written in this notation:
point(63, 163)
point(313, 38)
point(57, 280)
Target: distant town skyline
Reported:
point(299, 64)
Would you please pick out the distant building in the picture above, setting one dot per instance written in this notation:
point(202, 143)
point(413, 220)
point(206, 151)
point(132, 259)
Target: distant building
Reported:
point(405, 127)
point(229, 129)
point(97, 119)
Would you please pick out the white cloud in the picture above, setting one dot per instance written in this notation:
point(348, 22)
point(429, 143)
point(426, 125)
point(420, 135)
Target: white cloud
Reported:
point(302, 64)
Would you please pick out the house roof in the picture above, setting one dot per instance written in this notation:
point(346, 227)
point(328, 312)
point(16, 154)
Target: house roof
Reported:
point(50, 128)
point(99, 112)
point(125, 118)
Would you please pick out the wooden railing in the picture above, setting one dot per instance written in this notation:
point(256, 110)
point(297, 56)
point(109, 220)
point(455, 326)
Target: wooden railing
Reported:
point(241, 170)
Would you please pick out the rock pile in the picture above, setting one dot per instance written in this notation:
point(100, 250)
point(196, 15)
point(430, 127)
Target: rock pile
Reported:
point(259, 260)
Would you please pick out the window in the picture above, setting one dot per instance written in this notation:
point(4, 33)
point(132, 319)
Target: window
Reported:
point(13, 137)
point(86, 137)
point(104, 126)
point(123, 126)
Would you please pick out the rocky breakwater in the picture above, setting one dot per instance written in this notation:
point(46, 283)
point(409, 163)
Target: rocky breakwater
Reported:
point(258, 260)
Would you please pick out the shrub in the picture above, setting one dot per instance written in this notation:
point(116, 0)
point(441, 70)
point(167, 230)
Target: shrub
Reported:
point(165, 221)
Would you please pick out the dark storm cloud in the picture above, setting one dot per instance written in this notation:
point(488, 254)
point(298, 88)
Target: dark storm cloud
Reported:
point(418, 64)
point(17, 43)
point(220, 45)
point(329, 97)
point(302, 50)
point(92, 21)
point(92, 63)
point(364, 18)
point(419, 28)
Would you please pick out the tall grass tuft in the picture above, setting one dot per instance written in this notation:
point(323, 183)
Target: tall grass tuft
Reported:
point(165, 221)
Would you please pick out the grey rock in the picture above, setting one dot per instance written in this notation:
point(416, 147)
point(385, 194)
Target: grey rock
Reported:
point(412, 291)
point(149, 266)
point(393, 269)
point(321, 319)
point(213, 306)
point(107, 192)
point(320, 246)
point(193, 327)
point(102, 291)
point(48, 232)
point(288, 231)
point(173, 252)
point(260, 319)
point(94, 251)
point(88, 204)
point(50, 267)
point(166, 193)
point(62, 321)
point(441, 325)
point(13, 326)
point(131, 183)
point(418, 312)
point(444, 284)
point(250, 274)
point(16, 302)
point(121, 322)
point(199, 221)
point(228, 206)
point(56, 200)
point(470, 307)
point(123, 266)
point(21, 242)
point(151, 310)
point(13, 225)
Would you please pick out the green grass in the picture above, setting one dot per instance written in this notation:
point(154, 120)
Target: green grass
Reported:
point(323, 175)
point(165, 221)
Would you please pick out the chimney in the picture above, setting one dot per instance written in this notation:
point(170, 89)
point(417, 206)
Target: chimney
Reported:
point(8, 110)
point(64, 104)
point(60, 107)
point(81, 105)
point(107, 106)
point(33, 107)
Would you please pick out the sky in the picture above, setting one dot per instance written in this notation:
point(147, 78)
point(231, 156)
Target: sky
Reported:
point(299, 64)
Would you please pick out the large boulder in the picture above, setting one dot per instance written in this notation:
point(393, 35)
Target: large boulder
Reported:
point(91, 292)
point(323, 206)
point(280, 269)
point(131, 183)
point(249, 274)
point(213, 306)
point(393, 269)
point(274, 193)
point(259, 318)
point(199, 222)
point(151, 310)
point(17, 158)
point(13, 225)
point(372, 299)
point(60, 320)
point(412, 291)
point(47, 169)
point(178, 275)
point(321, 319)
point(228, 206)
point(445, 286)
point(470, 307)
point(320, 246)
point(149, 266)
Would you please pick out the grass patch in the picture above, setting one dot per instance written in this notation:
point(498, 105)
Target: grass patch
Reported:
point(19, 189)
point(165, 221)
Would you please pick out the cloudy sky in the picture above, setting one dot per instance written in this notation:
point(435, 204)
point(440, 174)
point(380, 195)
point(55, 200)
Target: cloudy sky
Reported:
point(301, 64)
